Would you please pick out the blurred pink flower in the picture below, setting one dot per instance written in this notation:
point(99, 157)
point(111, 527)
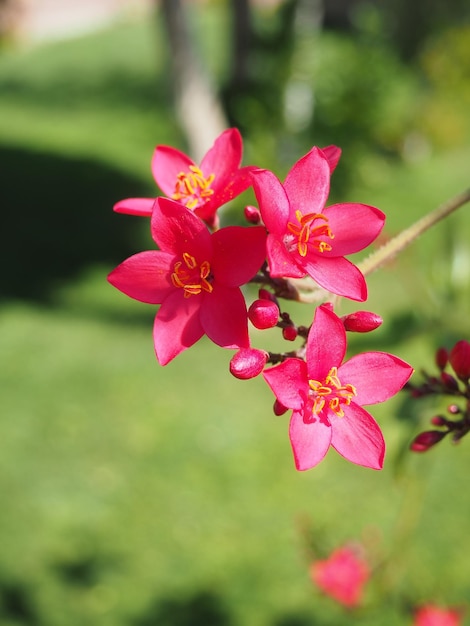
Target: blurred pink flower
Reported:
point(327, 396)
point(307, 238)
point(342, 576)
point(202, 188)
point(195, 277)
point(431, 615)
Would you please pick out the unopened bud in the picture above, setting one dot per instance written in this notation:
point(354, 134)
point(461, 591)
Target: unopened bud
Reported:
point(449, 381)
point(459, 358)
point(278, 408)
point(264, 294)
point(263, 314)
point(454, 409)
point(361, 321)
point(438, 420)
point(427, 440)
point(252, 214)
point(248, 363)
point(442, 356)
point(289, 333)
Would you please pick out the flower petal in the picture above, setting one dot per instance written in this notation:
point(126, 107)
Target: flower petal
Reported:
point(377, 376)
point(177, 230)
point(135, 206)
point(310, 440)
point(238, 254)
point(354, 226)
point(224, 317)
point(281, 262)
point(167, 163)
point(224, 157)
point(233, 186)
point(144, 276)
point(176, 326)
point(337, 275)
point(357, 437)
point(332, 154)
point(326, 343)
point(289, 382)
point(272, 200)
point(308, 183)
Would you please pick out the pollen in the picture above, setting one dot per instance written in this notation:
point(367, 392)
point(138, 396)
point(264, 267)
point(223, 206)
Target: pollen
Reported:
point(309, 228)
point(192, 277)
point(192, 188)
point(331, 394)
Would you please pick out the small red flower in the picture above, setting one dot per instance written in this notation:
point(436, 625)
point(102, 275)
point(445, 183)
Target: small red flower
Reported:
point(342, 576)
point(327, 395)
point(431, 615)
point(195, 277)
point(202, 188)
point(307, 238)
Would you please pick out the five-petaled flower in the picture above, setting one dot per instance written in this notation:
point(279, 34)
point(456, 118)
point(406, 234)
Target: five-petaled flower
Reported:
point(202, 188)
point(342, 576)
point(432, 615)
point(307, 238)
point(196, 277)
point(327, 396)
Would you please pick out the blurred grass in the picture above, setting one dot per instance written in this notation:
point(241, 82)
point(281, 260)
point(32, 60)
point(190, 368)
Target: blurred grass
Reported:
point(141, 495)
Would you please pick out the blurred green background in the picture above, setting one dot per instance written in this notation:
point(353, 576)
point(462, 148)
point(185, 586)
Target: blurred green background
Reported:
point(138, 495)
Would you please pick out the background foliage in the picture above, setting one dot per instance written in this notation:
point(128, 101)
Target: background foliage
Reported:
point(140, 495)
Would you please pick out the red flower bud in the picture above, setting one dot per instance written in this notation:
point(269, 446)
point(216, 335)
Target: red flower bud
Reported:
point(264, 294)
point(449, 381)
point(289, 333)
point(459, 358)
point(438, 420)
point(252, 214)
point(248, 363)
point(427, 440)
point(263, 314)
point(361, 321)
point(278, 408)
point(442, 356)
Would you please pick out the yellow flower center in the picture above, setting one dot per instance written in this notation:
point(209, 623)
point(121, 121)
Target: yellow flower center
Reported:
point(192, 189)
point(331, 393)
point(306, 232)
point(191, 277)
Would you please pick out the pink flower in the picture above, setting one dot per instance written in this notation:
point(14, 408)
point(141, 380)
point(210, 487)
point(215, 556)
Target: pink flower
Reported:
point(342, 576)
point(195, 276)
point(202, 188)
point(327, 396)
point(431, 615)
point(307, 238)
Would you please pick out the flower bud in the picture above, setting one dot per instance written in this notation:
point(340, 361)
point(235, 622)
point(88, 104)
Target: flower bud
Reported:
point(449, 381)
point(263, 314)
point(252, 214)
point(442, 356)
point(248, 363)
point(438, 420)
point(361, 321)
point(426, 440)
point(289, 333)
point(459, 358)
point(264, 294)
point(278, 408)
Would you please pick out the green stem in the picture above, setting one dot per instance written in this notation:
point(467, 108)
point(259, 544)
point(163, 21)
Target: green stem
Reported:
point(407, 236)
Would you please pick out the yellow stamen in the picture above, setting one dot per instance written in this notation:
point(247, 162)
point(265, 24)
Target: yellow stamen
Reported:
point(306, 233)
point(193, 278)
point(192, 188)
point(331, 393)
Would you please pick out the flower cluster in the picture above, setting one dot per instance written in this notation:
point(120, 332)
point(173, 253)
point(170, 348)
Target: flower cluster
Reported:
point(197, 272)
point(456, 385)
